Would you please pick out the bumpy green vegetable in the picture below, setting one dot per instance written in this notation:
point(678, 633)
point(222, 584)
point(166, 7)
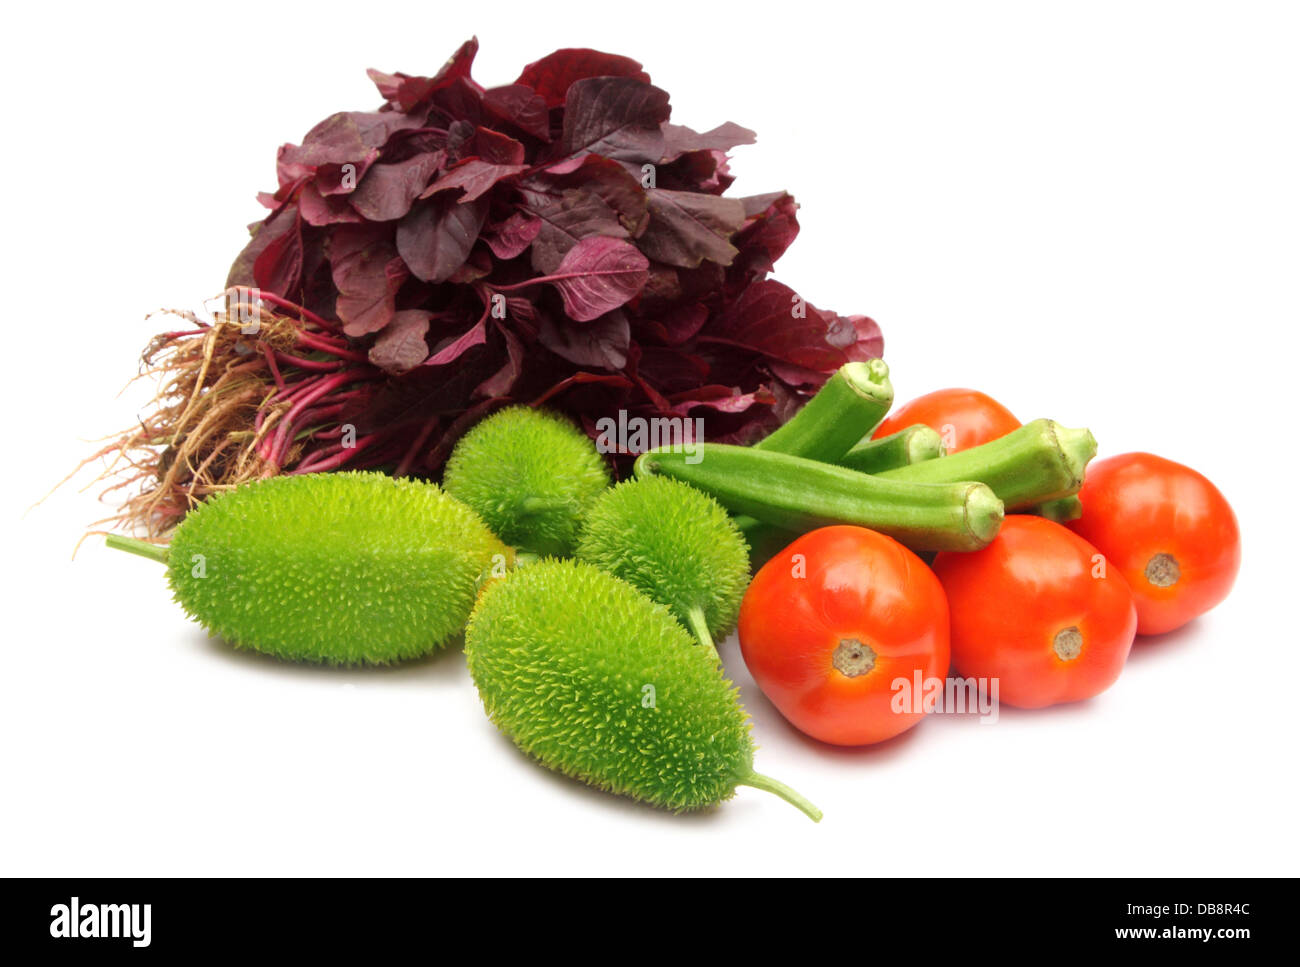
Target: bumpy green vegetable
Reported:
point(855, 398)
point(530, 475)
point(600, 683)
point(913, 444)
point(1040, 461)
point(800, 494)
point(342, 568)
point(674, 543)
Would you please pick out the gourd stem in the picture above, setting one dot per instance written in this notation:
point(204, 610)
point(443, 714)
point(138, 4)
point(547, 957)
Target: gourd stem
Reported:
point(768, 784)
point(155, 552)
point(700, 628)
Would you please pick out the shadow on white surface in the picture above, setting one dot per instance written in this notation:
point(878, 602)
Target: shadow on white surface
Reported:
point(1151, 647)
point(446, 664)
point(579, 790)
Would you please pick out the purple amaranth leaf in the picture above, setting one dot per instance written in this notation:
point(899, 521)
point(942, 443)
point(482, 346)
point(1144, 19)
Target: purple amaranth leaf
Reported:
point(459, 143)
point(771, 319)
point(610, 180)
point(343, 179)
point(348, 136)
point(671, 369)
point(704, 172)
point(686, 228)
point(512, 237)
point(475, 177)
point(320, 210)
point(388, 190)
point(497, 148)
point(566, 218)
point(695, 325)
point(475, 335)
point(597, 276)
point(770, 227)
point(676, 325)
point(679, 139)
point(521, 106)
point(601, 344)
point(553, 75)
point(368, 272)
point(263, 234)
point(478, 266)
point(618, 117)
point(870, 343)
point(724, 399)
point(405, 92)
point(502, 382)
point(436, 235)
point(402, 345)
point(278, 267)
point(461, 100)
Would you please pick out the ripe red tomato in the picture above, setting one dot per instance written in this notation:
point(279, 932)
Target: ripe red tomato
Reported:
point(1167, 529)
point(963, 417)
point(1039, 610)
point(831, 623)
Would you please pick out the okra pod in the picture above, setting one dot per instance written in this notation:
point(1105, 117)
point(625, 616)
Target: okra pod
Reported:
point(855, 398)
point(1061, 509)
point(1039, 462)
point(801, 494)
point(914, 444)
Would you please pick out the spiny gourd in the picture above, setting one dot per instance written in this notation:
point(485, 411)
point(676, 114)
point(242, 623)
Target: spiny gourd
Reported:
point(674, 543)
point(598, 682)
point(530, 475)
point(342, 568)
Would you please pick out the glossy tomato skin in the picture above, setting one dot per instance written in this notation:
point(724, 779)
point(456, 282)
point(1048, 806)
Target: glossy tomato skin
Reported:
point(810, 608)
point(1038, 610)
point(1169, 531)
point(965, 418)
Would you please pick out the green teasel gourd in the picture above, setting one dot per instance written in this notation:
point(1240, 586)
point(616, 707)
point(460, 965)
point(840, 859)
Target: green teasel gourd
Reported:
point(339, 568)
point(530, 474)
point(674, 543)
point(596, 681)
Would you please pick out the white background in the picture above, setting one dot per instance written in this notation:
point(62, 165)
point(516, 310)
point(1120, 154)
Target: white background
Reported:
point(1090, 211)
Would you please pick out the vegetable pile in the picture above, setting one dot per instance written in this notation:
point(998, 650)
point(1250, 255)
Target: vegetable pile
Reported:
point(590, 629)
point(850, 634)
point(475, 278)
point(557, 239)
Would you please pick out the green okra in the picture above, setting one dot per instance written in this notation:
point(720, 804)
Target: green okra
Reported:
point(1039, 462)
point(800, 494)
point(914, 444)
point(855, 398)
point(1061, 510)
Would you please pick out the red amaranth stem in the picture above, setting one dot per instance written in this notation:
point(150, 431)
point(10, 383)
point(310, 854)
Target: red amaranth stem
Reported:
point(313, 365)
point(334, 349)
point(330, 458)
point(421, 438)
point(284, 433)
point(282, 303)
point(302, 387)
point(269, 353)
point(320, 416)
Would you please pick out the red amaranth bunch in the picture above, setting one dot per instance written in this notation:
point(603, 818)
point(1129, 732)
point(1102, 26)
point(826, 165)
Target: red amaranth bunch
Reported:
point(553, 239)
